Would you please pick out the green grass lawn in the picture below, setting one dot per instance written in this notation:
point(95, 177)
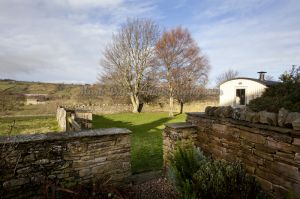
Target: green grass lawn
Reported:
point(146, 138)
point(28, 125)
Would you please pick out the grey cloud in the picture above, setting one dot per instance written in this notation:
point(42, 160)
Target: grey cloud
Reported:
point(12, 63)
point(53, 40)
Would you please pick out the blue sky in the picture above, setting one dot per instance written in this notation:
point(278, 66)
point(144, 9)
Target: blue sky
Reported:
point(62, 40)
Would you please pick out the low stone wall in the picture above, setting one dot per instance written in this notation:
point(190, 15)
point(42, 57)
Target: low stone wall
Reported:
point(187, 107)
point(67, 159)
point(99, 109)
point(283, 118)
point(150, 107)
point(271, 154)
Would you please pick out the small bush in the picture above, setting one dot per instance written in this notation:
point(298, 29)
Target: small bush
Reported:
point(285, 94)
point(183, 165)
point(197, 176)
point(218, 179)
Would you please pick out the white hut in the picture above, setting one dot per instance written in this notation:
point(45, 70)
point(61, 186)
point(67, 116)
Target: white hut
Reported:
point(238, 92)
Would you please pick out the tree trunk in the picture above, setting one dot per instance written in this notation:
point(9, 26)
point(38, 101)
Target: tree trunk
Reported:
point(140, 107)
point(135, 103)
point(181, 107)
point(171, 114)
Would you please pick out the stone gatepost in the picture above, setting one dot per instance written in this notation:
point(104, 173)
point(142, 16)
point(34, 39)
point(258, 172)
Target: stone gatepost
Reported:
point(175, 132)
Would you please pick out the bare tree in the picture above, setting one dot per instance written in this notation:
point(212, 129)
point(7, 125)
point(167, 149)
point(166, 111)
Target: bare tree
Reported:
point(129, 58)
point(269, 77)
point(227, 75)
point(186, 91)
point(182, 62)
point(150, 87)
point(291, 76)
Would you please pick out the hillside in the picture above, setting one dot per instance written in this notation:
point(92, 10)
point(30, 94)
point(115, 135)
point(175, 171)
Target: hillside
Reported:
point(12, 98)
point(54, 90)
point(13, 101)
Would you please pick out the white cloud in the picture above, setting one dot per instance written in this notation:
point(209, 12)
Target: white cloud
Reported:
point(93, 3)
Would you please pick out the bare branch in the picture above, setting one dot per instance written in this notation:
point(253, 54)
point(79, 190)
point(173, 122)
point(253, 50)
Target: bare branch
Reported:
point(184, 65)
point(227, 75)
point(130, 55)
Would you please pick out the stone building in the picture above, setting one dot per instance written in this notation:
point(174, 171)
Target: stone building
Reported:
point(33, 99)
point(238, 92)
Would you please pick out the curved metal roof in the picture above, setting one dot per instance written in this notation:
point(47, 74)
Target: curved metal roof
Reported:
point(265, 82)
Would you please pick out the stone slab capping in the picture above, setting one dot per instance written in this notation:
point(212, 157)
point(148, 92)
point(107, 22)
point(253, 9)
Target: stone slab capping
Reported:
point(270, 153)
point(67, 159)
point(283, 118)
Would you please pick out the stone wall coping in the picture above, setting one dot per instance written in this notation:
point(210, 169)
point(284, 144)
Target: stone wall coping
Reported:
point(248, 124)
point(180, 125)
point(75, 110)
point(63, 135)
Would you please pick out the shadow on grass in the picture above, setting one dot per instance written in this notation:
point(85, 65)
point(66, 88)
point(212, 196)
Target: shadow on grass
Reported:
point(100, 121)
point(146, 141)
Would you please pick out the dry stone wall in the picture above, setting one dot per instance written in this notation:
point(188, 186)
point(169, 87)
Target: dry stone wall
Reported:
point(271, 154)
point(283, 118)
point(147, 107)
point(188, 107)
point(66, 159)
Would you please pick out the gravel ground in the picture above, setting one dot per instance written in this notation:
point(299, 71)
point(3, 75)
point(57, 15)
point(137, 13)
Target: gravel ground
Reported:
point(149, 185)
point(153, 189)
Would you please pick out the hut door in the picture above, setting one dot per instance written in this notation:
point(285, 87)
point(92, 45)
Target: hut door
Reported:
point(240, 97)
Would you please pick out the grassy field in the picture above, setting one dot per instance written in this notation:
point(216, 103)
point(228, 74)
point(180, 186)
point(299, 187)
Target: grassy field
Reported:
point(28, 125)
point(146, 138)
point(38, 109)
point(52, 89)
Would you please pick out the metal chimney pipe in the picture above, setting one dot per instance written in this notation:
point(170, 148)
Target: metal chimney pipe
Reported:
point(261, 75)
